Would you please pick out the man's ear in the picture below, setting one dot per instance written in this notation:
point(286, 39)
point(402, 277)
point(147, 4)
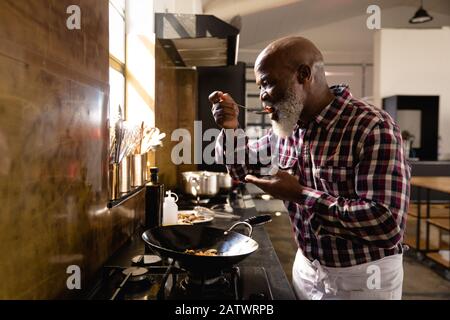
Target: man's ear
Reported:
point(303, 73)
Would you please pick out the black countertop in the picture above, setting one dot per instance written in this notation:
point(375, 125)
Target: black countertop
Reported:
point(265, 256)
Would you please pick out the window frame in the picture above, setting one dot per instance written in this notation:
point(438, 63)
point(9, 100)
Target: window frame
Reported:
point(115, 62)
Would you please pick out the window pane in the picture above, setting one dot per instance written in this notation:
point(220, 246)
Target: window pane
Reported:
point(253, 118)
point(116, 34)
point(116, 93)
point(351, 75)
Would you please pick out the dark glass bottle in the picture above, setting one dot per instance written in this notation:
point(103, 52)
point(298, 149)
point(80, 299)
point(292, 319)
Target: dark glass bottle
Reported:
point(154, 199)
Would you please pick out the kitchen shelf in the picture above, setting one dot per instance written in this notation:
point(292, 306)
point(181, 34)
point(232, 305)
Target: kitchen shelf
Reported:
point(410, 240)
point(436, 211)
point(435, 256)
point(125, 197)
point(443, 224)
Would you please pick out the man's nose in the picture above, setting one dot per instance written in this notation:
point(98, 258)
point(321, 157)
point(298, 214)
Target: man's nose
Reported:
point(264, 96)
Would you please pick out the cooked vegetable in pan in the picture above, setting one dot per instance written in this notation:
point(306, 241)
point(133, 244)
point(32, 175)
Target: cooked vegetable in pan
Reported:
point(209, 252)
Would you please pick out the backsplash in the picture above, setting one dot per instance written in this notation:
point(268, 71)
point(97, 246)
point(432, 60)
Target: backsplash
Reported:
point(54, 148)
point(176, 101)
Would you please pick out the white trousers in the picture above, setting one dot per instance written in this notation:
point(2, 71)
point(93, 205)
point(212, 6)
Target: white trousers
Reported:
point(377, 280)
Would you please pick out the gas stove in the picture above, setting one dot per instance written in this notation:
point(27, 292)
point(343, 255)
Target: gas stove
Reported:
point(155, 279)
point(172, 283)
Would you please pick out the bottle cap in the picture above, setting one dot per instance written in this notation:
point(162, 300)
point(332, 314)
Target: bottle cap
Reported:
point(169, 194)
point(154, 174)
point(154, 170)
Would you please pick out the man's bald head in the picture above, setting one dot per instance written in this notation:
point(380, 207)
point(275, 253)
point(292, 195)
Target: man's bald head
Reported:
point(290, 53)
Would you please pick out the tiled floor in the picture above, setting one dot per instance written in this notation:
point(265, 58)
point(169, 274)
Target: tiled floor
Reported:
point(420, 282)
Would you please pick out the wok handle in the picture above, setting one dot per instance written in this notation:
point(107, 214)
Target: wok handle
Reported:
point(248, 225)
point(259, 220)
point(251, 222)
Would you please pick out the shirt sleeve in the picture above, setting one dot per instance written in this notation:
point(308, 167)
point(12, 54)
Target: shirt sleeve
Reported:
point(241, 157)
point(378, 215)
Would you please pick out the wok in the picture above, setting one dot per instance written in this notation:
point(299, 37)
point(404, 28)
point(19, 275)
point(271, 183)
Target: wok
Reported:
point(173, 241)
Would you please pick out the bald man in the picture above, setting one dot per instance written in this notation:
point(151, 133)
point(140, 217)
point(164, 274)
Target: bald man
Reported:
point(343, 174)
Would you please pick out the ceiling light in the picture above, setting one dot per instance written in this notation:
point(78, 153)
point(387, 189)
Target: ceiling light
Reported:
point(421, 15)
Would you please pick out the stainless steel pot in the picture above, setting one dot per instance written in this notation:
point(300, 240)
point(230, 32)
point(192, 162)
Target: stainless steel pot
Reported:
point(224, 180)
point(200, 183)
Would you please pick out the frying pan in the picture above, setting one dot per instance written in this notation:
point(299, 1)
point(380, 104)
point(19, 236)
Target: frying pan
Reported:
point(173, 241)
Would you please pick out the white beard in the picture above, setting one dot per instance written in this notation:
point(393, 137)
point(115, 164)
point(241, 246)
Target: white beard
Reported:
point(289, 110)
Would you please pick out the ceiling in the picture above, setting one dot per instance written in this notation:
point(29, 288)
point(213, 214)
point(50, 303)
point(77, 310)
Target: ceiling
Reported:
point(334, 25)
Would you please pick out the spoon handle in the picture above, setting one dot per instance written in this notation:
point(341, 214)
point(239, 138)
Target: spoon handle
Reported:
point(252, 111)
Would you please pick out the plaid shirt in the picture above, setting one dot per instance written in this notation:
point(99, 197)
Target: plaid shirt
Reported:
point(350, 161)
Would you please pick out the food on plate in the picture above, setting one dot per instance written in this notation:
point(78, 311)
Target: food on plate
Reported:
point(209, 252)
point(190, 218)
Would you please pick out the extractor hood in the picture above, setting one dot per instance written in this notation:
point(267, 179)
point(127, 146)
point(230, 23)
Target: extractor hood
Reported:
point(193, 40)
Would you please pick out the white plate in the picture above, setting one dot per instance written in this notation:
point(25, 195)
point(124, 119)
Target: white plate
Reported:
point(206, 218)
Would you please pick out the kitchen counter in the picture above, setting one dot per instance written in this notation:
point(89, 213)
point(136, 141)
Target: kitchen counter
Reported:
point(265, 256)
point(424, 169)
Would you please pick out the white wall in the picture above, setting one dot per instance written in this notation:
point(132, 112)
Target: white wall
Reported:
point(178, 6)
point(415, 62)
point(341, 40)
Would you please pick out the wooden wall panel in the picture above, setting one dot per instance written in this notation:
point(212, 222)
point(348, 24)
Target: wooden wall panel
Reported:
point(166, 114)
point(39, 26)
point(187, 110)
point(176, 107)
point(53, 149)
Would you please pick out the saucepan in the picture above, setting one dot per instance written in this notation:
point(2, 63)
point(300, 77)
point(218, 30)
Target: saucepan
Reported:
point(205, 183)
point(224, 181)
point(200, 183)
point(232, 247)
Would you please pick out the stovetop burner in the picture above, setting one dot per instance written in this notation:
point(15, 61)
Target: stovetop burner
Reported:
point(199, 279)
point(135, 274)
point(190, 287)
point(172, 283)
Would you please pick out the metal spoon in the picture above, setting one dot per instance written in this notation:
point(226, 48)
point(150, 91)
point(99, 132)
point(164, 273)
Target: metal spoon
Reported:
point(252, 111)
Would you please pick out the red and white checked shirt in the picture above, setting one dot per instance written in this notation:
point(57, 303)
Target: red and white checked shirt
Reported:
point(356, 181)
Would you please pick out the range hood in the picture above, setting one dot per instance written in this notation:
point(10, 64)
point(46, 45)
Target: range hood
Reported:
point(195, 40)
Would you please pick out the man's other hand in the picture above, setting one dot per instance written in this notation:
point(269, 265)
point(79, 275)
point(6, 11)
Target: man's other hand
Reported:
point(282, 185)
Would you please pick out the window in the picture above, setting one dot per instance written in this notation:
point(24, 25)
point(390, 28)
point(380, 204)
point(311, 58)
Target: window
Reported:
point(257, 125)
point(117, 58)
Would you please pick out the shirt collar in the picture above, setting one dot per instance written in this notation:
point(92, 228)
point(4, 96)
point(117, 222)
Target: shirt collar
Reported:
point(332, 112)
